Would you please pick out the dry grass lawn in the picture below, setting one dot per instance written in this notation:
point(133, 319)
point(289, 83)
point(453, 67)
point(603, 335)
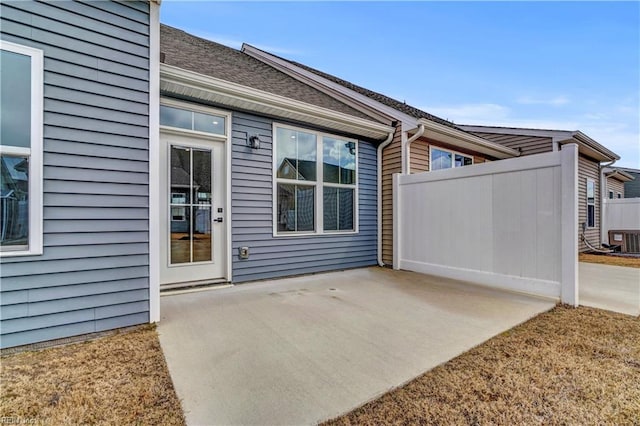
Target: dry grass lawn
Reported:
point(120, 379)
point(565, 367)
point(632, 262)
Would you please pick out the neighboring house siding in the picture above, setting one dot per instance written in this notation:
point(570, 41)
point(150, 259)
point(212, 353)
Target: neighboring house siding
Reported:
point(252, 217)
point(632, 188)
point(94, 273)
point(419, 156)
point(527, 145)
point(391, 163)
point(588, 168)
point(616, 186)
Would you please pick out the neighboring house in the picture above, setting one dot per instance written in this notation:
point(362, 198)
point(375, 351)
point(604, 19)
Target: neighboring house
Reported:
point(420, 142)
point(615, 182)
point(74, 151)
point(631, 187)
point(593, 157)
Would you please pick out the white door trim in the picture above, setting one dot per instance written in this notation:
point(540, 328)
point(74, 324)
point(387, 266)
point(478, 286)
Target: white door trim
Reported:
point(227, 146)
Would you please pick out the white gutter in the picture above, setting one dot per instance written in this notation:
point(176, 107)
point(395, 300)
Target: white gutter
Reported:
point(382, 146)
point(406, 165)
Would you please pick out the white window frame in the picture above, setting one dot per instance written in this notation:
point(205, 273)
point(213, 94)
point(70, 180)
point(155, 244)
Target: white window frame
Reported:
point(611, 195)
point(34, 152)
point(589, 180)
point(453, 156)
point(318, 185)
point(619, 195)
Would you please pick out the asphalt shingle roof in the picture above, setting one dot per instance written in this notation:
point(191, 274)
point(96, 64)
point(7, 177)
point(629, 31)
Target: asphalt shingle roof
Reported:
point(196, 54)
point(383, 99)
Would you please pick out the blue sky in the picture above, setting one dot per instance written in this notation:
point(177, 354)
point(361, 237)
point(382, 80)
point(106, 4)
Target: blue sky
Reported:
point(559, 65)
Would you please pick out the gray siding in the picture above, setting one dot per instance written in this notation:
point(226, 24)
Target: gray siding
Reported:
point(93, 274)
point(632, 188)
point(252, 220)
point(527, 145)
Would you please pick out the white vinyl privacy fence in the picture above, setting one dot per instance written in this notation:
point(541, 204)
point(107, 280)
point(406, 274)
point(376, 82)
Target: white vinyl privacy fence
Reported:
point(510, 224)
point(621, 214)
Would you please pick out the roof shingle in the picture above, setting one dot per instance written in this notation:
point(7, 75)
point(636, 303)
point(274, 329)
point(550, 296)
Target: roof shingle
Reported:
point(196, 54)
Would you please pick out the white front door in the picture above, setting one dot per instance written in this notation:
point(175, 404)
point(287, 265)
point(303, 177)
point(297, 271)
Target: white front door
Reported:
point(193, 200)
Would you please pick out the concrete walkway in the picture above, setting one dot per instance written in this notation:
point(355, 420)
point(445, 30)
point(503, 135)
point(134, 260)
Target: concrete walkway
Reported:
point(302, 350)
point(614, 288)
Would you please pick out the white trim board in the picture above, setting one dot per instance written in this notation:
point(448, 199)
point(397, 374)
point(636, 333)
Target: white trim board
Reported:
point(154, 162)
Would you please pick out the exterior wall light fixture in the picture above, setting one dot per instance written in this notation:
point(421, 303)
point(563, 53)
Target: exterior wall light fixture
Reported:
point(253, 142)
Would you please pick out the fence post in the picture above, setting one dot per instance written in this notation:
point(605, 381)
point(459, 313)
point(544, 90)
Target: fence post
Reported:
point(396, 221)
point(569, 239)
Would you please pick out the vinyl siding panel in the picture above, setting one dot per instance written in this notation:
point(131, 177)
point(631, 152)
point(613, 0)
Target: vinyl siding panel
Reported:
point(94, 273)
point(588, 169)
point(527, 145)
point(632, 188)
point(252, 214)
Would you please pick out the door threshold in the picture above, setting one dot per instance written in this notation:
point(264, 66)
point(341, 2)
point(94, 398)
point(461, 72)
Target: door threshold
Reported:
point(192, 287)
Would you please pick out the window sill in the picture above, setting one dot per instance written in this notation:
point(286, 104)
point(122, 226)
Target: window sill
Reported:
point(314, 234)
point(19, 253)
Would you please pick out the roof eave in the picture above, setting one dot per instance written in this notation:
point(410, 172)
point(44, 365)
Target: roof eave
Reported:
point(608, 154)
point(465, 140)
point(181, 82)
point(589, 147)
point(620, 175)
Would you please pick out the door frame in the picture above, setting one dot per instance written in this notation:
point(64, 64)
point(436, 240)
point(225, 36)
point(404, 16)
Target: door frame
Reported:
point(226, 141)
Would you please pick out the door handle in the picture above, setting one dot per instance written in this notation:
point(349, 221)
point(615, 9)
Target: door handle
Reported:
point(218, 220)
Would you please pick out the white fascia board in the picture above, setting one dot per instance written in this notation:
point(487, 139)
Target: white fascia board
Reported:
point(292, 70)
point(466, 140)
point(544, 133)
point(188, 83)
point(586, 140)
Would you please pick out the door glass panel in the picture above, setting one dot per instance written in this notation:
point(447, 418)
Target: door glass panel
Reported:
point(180, 175)
point(202, 176)
point(181, 238)
point(190, 205)
point(202, 234)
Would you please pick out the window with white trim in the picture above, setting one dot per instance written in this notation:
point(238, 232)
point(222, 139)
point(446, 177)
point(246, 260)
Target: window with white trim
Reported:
point(591, 203)
point(611, 195)
point(21, 81)
point(315, 177)
point(440, 159)
point(619, 195)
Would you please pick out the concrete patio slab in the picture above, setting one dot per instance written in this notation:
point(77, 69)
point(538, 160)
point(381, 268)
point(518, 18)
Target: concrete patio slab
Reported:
point(614, 288)
point(302, 350)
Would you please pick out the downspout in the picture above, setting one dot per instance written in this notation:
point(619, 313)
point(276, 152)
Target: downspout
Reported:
point(382, 146)
point(406, 167)
point(603, 194)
